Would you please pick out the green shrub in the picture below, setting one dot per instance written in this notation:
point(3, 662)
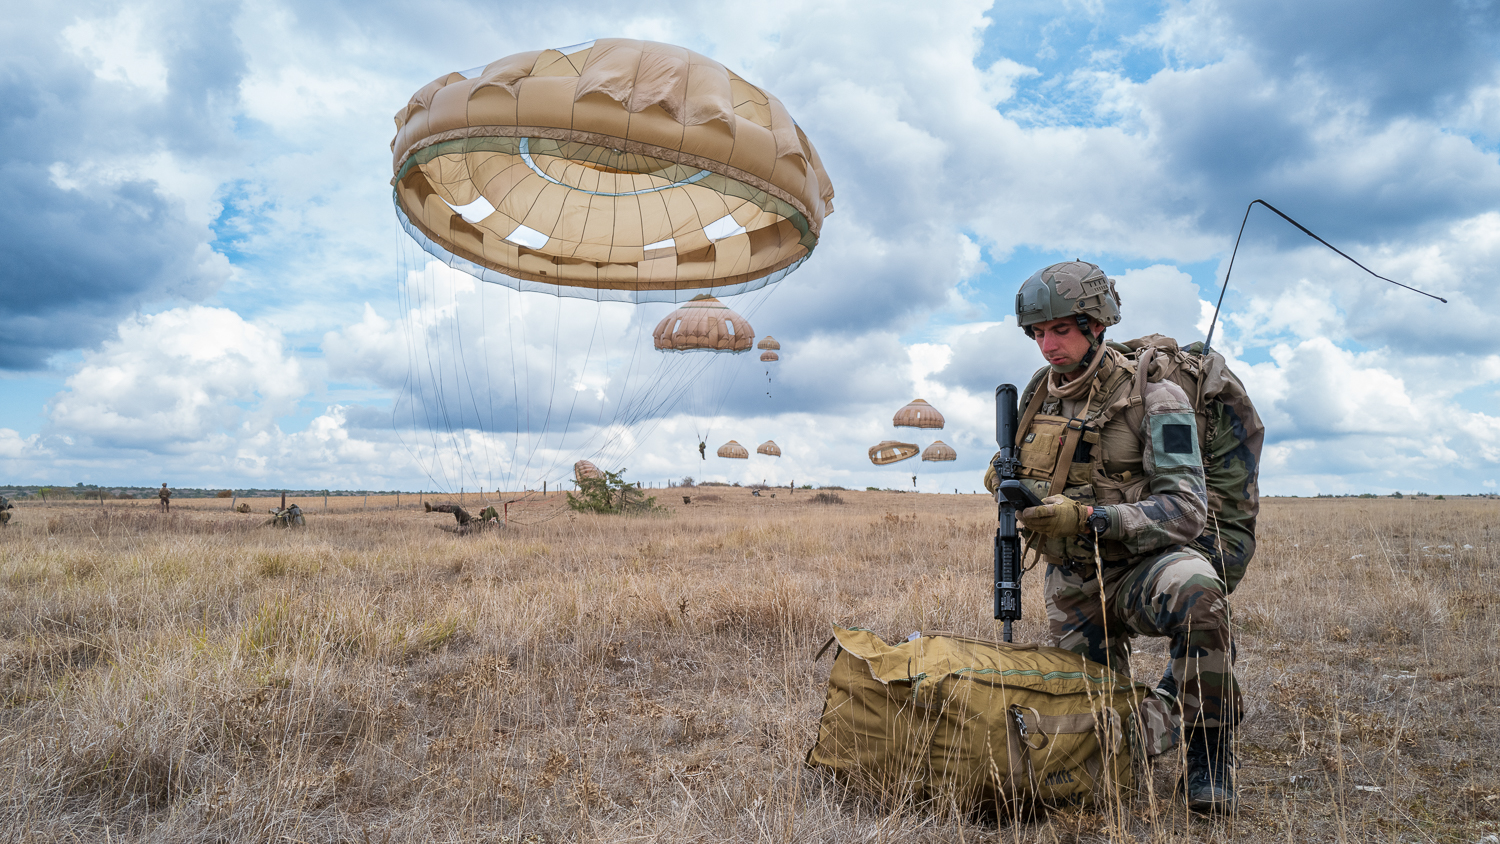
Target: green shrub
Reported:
point(611, 494)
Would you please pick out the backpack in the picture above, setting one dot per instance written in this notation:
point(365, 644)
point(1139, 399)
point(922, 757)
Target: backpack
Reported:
point(975, 724)
point(1230, 434)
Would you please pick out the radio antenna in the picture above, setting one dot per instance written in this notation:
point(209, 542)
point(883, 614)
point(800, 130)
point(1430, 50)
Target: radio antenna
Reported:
point(1306, 231)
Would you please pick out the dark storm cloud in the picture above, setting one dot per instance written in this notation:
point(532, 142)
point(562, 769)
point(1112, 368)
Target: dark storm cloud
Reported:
point(79, 251)
point(1401, 58)
point(1339, 109)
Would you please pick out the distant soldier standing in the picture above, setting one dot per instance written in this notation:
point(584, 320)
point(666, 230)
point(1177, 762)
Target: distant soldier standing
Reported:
point(5, 508)
point(165, 496)
point(1118, 464)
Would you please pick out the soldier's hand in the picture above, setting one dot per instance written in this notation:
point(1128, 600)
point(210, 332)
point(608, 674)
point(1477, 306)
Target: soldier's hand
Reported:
point(1058, 516)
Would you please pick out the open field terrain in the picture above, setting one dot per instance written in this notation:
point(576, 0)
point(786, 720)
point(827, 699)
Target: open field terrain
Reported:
point(194, 676)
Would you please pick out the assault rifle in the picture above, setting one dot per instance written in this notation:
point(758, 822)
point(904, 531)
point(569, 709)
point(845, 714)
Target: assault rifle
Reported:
point(1011, 495)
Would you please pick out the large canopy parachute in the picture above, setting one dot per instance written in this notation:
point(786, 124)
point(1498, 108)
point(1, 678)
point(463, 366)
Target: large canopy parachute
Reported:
point(733, 451)
point(769, 447)
point(608, 175)
point(613, 170)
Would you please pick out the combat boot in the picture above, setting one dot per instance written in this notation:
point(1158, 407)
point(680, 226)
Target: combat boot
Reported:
point(1209, 777)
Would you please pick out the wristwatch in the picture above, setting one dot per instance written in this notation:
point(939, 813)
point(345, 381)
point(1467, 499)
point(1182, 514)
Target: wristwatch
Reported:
point(1099, 521)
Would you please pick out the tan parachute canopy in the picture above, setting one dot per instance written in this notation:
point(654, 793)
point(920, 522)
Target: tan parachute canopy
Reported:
point(769, 356)
point(891, 451)
point(918, 414)
point(615, 170)
point(769, 447)
point(584, 469)
point(769, 342)
point(939, 451)
point(703, 323)
point(734, 451)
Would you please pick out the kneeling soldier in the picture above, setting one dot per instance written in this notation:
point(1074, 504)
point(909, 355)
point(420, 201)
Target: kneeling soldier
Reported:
point(1123, 491)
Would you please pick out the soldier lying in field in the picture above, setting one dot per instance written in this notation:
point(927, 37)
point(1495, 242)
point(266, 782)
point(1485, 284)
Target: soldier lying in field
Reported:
point(467, 523)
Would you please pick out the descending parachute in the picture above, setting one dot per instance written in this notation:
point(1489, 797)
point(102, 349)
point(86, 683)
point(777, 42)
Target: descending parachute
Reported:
point(890, 451)
point(769, 447)
point(703, 324)
point(768, 343)
point(939, 451)
point(769, 357)
point(617, 171)
point(733, 451)
point(918, 414)
point(583, 469)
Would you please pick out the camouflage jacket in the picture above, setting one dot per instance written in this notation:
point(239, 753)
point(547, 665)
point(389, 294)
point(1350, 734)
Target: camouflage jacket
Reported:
point(1137, 457)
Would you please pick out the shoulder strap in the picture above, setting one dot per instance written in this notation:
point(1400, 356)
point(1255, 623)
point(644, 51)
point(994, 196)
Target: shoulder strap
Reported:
point(1038, 390)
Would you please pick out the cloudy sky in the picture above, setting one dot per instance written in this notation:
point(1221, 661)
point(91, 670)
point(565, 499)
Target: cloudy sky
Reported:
point(203, 282)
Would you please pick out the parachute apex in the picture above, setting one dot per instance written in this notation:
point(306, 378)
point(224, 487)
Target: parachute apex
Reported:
point(938, 452)
point(918, 414)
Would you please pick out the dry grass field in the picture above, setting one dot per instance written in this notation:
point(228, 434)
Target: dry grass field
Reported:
point(196, 677)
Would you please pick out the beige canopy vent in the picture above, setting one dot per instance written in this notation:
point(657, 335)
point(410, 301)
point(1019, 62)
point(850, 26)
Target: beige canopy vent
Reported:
point(705, 324)
point(769, 447)
point(939, 451)
point(617, 170)
point(733, 451)
point(770, 343)
point(769, 356)
point(584, 469)
point(918, 414)
point(891, 451)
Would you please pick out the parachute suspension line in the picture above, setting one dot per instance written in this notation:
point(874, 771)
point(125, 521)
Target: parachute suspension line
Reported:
point(463, 365)
point(588, 355)
point(541, 437)
point(403, 300)
point(1269, 207)
point(489, 388)
point(419, 393)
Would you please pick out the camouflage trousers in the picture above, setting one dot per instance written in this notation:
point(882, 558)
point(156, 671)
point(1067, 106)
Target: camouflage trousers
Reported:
point(1175, 594)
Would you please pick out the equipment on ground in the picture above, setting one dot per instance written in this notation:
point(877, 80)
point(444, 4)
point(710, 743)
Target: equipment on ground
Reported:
point(969, 724)
point(1012, 496)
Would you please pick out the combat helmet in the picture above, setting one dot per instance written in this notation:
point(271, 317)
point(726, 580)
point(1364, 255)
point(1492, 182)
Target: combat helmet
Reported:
point(1075, 289)
point(1067, 289)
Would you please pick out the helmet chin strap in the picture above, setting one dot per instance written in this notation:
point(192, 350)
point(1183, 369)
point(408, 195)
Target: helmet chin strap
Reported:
point(1095, 341)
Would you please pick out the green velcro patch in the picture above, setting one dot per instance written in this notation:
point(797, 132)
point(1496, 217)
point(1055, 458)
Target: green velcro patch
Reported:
point(1174, 440)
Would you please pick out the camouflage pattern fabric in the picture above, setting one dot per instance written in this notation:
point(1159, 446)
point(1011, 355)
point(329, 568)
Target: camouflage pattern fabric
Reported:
point(5, 508)
point(458, 512)
point(286, 517)
point(1231, 434)
point(1176, 594)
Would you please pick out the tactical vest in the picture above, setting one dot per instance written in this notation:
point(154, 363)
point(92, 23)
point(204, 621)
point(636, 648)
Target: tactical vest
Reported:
point(1063, 455)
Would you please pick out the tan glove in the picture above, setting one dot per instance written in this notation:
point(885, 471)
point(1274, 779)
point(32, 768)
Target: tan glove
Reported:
point(1058, 516)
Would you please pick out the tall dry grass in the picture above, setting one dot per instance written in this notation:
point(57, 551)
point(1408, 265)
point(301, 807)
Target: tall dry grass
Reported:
point(194, 677)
